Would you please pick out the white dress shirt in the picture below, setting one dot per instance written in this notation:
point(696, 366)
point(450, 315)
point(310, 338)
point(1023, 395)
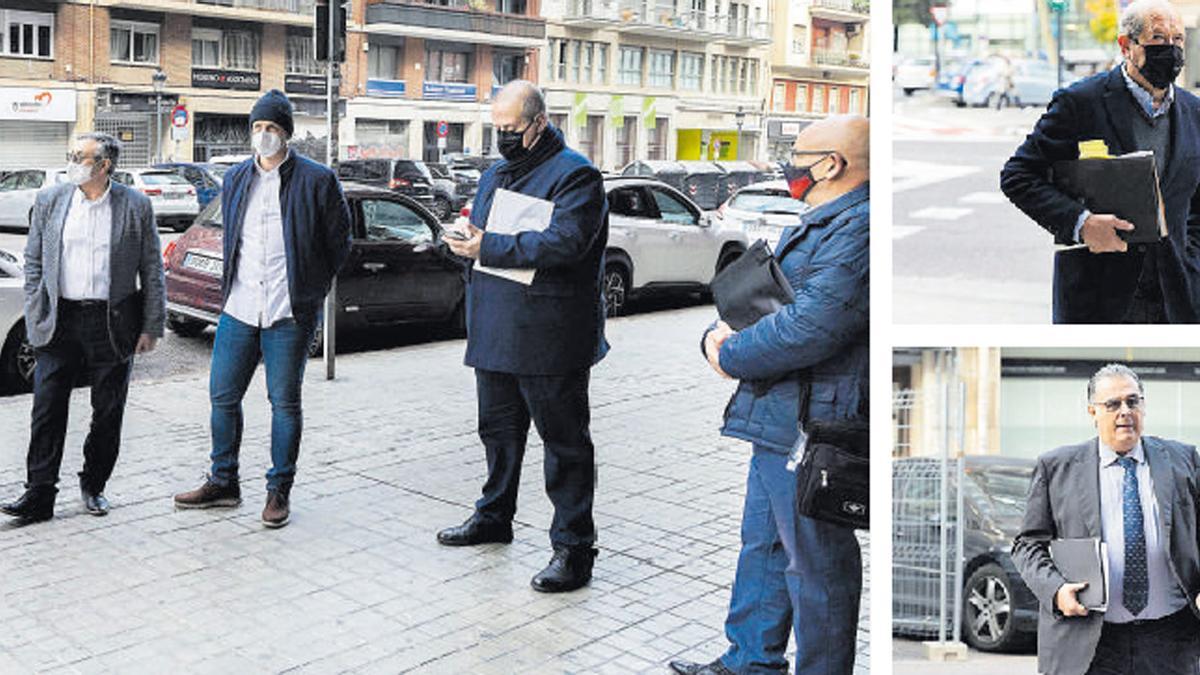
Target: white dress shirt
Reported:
point(1165, 598)
point(86, 240)
point(259, 293)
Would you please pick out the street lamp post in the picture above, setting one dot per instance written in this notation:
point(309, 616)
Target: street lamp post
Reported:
point(740, 116)
point(160, 80)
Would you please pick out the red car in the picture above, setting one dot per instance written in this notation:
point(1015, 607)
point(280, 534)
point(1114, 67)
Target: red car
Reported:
point(398, 271)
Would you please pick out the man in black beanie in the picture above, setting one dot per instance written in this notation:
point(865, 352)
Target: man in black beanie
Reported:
point(286, 234)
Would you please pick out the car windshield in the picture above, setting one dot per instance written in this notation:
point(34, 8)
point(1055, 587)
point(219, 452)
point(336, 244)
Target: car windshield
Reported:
point(219, 169)
point(767, 202)
point(1005, 491)
point(164, 178)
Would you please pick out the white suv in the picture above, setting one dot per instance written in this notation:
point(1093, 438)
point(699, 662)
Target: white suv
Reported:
point(16, 354)
point(658, 239)
point(18, 191)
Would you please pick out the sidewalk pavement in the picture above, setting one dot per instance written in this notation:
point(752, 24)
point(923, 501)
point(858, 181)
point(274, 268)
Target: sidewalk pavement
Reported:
point(356, 582)
point(908, 658)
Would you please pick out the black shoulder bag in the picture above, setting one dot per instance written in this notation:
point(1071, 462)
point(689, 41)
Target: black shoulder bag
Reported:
point(833, 478)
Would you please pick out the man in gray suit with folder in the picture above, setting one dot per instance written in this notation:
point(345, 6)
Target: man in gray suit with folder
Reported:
point(1139, 495)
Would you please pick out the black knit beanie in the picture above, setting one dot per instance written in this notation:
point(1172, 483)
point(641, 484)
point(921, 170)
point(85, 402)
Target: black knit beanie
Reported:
point(274, 106)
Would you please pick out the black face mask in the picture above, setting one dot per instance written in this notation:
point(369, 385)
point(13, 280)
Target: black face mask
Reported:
point(1163, 64)
point(511, 143)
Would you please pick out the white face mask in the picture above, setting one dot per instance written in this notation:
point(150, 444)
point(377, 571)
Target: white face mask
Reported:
point(80, 173)
point(266, 143)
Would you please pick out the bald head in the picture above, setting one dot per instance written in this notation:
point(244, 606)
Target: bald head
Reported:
point(522, 99)
point(838, 151)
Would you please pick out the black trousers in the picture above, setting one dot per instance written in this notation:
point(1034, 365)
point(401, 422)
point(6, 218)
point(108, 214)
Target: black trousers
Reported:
point(1166, 646)
point(558, 405)
point(80, 346)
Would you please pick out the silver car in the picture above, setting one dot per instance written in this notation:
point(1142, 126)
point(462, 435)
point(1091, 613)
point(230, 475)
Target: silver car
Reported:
point(762, 211)
point(660, 240)
point(1033, 84)
point(16, 354)
point(19, 189)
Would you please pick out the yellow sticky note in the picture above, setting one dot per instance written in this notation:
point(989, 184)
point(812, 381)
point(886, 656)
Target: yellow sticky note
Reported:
point(1095, 149)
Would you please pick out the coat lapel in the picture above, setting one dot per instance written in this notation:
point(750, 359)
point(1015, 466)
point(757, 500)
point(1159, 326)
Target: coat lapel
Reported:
point(116, 201)
point(1116, 104)
point(1164, 486)
point(1089, 485)
point(1177, 131)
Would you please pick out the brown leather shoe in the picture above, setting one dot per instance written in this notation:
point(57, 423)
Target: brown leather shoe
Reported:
point(210, 495)
point(277, 510)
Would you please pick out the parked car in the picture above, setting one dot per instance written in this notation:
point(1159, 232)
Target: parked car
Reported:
point(999, 612)
point(398, 272)
point(914, 74)
point(762, 211)
point(450, 193)
point(950, 81)
point(201, 176)
point(19, 189)
point(171, 195)
point(16, 354)
point(404, 176)
point(660, 240)
point(738, 175)
point(1034, 83)
point(466, 181)
point(703, 182)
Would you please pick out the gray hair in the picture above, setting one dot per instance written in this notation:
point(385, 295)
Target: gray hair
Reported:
point(109, 147)
point(1133, 19)
point(1113, 370)
point(534, 105)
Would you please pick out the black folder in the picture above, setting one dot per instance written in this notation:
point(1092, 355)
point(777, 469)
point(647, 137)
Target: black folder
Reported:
point(750, 287)
point(1081, 560)
point(1125, 186)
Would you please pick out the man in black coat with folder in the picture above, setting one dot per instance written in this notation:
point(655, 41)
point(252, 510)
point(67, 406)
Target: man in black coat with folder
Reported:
point(1133, 107)
point(1139, 495)
point(533, 344)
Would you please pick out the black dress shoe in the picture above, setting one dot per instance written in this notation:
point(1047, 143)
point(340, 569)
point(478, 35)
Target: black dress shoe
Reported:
point(37, 504)
point(94, 502)
point(691, 668)
point(476, 530)
point(569, 569)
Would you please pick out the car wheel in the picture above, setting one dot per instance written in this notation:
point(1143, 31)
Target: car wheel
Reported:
point(991, 98)
point(988, 610)
point(616, 290)
point(184, 327)
point(442, 208)
point(17, 361)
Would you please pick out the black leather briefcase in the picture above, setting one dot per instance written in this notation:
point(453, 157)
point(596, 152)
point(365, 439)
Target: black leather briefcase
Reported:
point(750, 287)
point(833, 478)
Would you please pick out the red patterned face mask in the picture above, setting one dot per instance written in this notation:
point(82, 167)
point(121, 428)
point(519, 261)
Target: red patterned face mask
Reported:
point(800, 179)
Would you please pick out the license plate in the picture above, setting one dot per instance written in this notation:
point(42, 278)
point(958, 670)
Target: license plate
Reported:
point(203, 263)
point(174, 195)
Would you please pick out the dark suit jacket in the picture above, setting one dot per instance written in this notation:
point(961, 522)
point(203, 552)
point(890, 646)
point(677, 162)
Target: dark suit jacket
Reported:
point(1064, 503)
point(556, 325)
point(1097, 288)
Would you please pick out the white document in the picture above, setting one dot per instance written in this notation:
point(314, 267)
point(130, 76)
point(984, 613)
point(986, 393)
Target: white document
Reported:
point(513, 213)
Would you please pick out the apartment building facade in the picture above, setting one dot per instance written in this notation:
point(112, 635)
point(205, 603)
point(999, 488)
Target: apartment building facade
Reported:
point(657, 79)
point(820, 65)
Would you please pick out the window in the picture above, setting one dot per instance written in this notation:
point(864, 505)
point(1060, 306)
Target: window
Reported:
point(753, 91)
point(818, 94)
point(626, 140)
point(691, 71)
point(835, 99)
point(28, 33)
point(628, 202)
point(510, 6)
point(299, 58)
point(662, 69)
point(383, 62)
point(602, 65)
point(446, 66)
point(392, 221)
point(560, 60)
point(630, 69)
point(241, 49)
point(856, 101)
point(206, 48)
point(576, 59)
point(588, 49)
point(730, 72)
point(506, 67)
point(672, 210)
point(802, 97)
point(132, 42)
point(743, 83)
point(716, 70)
point(779, 97)
point(657, 147)
point(10, 182)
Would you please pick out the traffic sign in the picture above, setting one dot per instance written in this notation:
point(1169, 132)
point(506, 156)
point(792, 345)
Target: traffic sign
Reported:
point(179, 116)
point(1058, 5)
point(443, 129)
point(940, 14)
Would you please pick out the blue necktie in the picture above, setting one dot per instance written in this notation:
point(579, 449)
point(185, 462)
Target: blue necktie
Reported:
point(1135, 591)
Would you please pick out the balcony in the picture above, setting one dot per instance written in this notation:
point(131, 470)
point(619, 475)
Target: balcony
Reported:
point(293, 12)
point(458, 21)
point(660, 19)
point(845, 11)
point(840, 60)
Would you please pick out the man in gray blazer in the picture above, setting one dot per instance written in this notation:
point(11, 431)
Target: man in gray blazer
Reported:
point(1138, 494)
point(94, 296)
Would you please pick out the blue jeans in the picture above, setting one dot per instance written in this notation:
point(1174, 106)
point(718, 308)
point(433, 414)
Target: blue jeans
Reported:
point(237, 349)
point(794, 574)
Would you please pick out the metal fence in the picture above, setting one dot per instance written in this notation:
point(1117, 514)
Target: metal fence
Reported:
point(927, 545)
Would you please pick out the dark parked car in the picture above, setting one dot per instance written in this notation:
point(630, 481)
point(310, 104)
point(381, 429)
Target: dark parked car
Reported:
point(398, 272)
point(202, 177)
point(404, 176)
point(999, 613)
point(703, 182)
point(462, 184)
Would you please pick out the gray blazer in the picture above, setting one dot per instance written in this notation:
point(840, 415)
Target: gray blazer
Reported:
point(1064, 502)
point(137, 290)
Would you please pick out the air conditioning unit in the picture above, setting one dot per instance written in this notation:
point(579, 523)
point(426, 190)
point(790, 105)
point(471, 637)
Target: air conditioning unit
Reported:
point(852, 30)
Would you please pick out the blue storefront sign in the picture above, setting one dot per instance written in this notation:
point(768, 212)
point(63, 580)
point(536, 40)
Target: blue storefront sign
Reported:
point(385, 87)
point(445, 91)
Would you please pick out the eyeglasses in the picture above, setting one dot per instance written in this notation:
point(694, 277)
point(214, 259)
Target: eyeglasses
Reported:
point(801, 153)
point(78, 157)
point(1133, 402)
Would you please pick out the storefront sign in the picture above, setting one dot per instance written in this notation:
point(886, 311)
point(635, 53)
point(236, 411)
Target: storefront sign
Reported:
point(43, 105)
point(373, 151)
point(442, 91)
point(304, 84)
point(226, 79)
point(385, 87)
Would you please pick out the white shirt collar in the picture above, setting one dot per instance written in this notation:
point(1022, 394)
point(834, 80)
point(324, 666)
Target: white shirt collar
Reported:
point(1108, 456)
point(78, 197)
point(273, 173)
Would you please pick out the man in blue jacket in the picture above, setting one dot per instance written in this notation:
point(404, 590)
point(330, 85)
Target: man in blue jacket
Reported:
point(1135, 106)
point(806, 362)
point(533, 346)
point(286, 235)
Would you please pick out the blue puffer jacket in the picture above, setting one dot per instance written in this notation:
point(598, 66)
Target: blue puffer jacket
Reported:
point(819, 341)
